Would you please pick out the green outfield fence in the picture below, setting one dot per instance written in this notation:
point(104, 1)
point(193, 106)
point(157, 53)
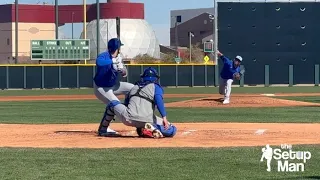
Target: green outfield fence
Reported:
point(47, 76)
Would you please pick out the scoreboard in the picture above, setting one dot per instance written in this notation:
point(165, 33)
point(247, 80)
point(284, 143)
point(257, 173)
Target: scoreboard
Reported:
point(208, 47)
point(73, 49)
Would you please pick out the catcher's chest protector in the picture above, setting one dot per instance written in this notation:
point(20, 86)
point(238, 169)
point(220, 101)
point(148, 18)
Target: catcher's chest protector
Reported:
point(141, 104)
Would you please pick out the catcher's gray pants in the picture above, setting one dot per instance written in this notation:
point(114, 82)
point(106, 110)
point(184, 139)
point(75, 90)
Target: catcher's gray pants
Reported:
point(109, 94)
point(121, 113)
point(225, 87)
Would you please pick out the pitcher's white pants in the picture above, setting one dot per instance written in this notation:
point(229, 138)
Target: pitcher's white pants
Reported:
point(225, 87)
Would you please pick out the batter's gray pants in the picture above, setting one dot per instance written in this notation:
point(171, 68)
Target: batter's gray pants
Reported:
point(107, 95)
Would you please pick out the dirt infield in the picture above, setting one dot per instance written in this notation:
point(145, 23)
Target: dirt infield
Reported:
point(189, 134)
point(92, 97)
point(240, 101)
point(204, 100)
point(78, 97)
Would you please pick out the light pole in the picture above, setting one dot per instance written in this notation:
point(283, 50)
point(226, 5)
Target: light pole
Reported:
point(72, 25)
point(98, 27)
point(191, 35)
point(215, 26)
point(57, 18)
point(85, 23)
point(16, 31)
point(107, 31)
point(211, 17)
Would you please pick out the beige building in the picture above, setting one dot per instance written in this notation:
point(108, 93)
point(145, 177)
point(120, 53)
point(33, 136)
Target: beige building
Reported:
point(26, 33)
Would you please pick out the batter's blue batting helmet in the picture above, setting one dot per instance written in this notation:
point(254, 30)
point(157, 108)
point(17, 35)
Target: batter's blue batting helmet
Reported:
point(170, 132)
point(114, 44)
point(150, 74)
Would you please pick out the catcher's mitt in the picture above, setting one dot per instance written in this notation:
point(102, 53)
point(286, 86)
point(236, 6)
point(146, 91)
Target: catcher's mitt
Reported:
point(144, 133)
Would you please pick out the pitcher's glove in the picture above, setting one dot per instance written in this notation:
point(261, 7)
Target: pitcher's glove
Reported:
point(237, 76)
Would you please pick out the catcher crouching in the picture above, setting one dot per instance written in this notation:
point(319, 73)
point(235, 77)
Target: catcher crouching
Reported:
point(139, 106)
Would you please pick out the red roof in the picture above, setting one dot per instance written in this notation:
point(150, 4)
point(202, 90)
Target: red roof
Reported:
point(46, 13)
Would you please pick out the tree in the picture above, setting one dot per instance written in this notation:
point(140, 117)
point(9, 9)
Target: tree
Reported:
point(168, 59)
point(145, 59)
point(196, 54)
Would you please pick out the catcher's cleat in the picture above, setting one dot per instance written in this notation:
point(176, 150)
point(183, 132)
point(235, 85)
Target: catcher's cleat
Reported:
point(107, 132)
point(155, 132)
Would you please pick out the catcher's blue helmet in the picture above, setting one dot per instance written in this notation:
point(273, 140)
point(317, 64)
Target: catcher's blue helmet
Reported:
point(150, 74)
point(114, 44)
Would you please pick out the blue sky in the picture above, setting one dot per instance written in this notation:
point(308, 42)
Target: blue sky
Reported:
point(157, 13)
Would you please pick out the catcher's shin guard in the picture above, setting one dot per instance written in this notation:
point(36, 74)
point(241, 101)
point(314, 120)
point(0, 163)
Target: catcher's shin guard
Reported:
point(108, 116)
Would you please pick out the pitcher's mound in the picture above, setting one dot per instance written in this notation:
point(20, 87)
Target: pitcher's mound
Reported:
point(240, 101)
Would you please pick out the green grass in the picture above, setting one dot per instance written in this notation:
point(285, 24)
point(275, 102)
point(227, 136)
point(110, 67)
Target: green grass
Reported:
point(157, 163)
point(248, 115)
point(90, 111)
point(196, 90)
point(312, 99)
point(169, 100)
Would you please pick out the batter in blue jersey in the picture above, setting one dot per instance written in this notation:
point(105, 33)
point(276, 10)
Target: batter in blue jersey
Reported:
point(109, 69)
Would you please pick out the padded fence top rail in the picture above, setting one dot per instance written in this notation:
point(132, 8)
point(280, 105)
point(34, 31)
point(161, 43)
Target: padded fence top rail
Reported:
point(267, 1)
point(22, 65)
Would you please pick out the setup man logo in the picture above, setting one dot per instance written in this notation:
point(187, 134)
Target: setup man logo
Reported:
point(284, 157)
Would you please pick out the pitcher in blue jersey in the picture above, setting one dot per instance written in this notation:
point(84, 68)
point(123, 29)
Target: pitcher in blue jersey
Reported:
point(107, 83)
point(229, 72)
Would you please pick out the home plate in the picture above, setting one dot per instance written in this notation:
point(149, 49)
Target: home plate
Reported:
point(185, 133)
point(188, 132)
point(260, 131)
